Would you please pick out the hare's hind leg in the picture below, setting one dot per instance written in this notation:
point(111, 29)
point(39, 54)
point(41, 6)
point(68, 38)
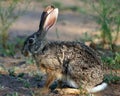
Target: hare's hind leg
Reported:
point(49, 81)
point(67, 91)
point(72, 91)
point(61, 90)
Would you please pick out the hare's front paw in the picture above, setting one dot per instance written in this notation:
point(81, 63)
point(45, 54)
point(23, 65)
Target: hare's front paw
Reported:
point(42, 92)
point(67, 91)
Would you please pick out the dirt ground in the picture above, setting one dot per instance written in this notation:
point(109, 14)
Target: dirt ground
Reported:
point(25, 81)
point(29, 83)
point(19, 77)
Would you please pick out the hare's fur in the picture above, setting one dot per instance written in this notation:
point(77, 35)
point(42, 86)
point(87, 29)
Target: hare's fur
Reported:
point(72, 62)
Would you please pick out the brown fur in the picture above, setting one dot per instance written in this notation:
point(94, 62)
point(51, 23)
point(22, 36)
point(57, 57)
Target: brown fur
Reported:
point(72, 62)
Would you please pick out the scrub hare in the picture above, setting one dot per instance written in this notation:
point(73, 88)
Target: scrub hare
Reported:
point(71, 62)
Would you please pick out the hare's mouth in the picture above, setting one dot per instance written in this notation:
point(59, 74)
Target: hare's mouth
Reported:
point(25, 53)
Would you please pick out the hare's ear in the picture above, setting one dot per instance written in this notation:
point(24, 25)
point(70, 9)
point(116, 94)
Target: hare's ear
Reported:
point(48, 18)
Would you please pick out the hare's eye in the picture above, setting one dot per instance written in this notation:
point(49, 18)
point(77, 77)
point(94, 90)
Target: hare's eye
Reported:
point(31, 41)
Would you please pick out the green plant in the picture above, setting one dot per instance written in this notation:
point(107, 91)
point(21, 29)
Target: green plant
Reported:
point(9, 51)
point(109, 19)
point(12, 46)
point(9, 13)
point(117, 58)
point(19, 41)
point(29, 60)
point(25, 82)
point(112, 62)
point(21, 75)
point(11, 72)
point(38, 77)
point(12, 94)
point(111, 78)
point(7, 17)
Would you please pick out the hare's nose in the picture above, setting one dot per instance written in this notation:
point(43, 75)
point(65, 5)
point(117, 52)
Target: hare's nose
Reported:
point(25, 53)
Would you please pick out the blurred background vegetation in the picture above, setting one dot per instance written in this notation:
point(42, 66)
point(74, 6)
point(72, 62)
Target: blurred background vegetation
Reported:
point(10, 11)
point(105, 13)
point(93, 22)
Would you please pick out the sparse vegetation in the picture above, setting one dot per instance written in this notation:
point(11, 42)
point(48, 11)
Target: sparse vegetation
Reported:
point(106, 16)
point(30, 60)
point(7, 16)
point(11, 72)
point(112, 62)
point(12, 94)
point(12, 47)
point(9, 13)
point(111, 78)
point(109, 20)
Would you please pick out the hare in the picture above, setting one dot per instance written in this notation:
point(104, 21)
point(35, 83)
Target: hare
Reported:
point(71, 62)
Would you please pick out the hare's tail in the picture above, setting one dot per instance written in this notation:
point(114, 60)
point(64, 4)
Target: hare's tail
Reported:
point(99, 88)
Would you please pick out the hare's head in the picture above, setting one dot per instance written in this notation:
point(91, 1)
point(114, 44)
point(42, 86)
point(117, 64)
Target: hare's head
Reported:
point(36, 42)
